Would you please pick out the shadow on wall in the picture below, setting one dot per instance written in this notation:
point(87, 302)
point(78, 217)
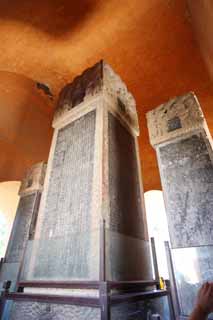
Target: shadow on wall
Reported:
point(8, 205)
point(55, 17)
point(25, 125)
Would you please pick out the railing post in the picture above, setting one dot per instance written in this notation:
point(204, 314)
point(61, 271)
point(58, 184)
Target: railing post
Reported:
point(173, 286)
point(102, 270)
point(1, 262)
point(154, 259)
point(170, 300)
point(6, 287)
point(105, 300)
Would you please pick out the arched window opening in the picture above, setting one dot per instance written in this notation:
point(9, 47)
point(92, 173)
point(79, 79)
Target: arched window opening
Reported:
point(8, 205)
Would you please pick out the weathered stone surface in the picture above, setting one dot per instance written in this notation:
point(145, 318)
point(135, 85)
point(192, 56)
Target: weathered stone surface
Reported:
point(21, 227)
point(67, 226)
point(27, 210)
point(126, 214)
point(76, 180)
point(98, 80)
point(116, 90)
point(126, 311)
point(46, 311)
point(187, 178)
point(24, 223)
point(142, 310)
point(72, 257)
point(34, 179)
point(183, 143)
point(93, 175)
point(68, 201)
point(127, 258)
point(179, 132)
point(127, 251)
point(175, 118)
point(88, 83)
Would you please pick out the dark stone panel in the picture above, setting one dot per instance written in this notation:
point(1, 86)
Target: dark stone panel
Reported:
point(187, 179)
point(174, 124)
point(127, 253)
point(45, 311)
point(67, 228)
point(68, 203)
point(21, 227)
point(126, 214)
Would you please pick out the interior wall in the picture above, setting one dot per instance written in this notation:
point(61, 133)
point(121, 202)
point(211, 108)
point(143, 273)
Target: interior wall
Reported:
point(25, 125)
point(202, 21)
point(8, 204)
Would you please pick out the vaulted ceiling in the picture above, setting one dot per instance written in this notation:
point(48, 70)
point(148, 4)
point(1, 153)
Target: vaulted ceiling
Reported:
point(161, 48)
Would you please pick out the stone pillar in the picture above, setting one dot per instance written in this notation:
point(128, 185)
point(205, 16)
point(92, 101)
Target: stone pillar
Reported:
point(25, 220)
point(180, 136)
point(93, 178)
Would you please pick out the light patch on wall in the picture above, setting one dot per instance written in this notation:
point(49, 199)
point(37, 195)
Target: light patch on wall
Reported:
point(8, 205)
point(157, 227)
point(4, 230)
point(187, 271)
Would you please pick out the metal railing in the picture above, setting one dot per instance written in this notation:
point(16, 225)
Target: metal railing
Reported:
point(105, 300)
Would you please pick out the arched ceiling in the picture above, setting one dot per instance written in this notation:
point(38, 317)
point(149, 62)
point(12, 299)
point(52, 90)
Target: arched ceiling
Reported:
point(25, 125)
point(151, 44)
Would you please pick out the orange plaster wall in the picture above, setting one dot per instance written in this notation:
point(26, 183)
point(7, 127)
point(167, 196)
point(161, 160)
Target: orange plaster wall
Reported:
point(202, 21)
point(25, 125)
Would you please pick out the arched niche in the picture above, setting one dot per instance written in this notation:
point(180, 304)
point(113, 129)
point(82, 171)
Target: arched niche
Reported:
point(157, 226)
point(8, 205)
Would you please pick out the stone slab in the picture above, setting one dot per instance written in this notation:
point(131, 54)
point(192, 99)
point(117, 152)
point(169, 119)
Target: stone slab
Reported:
point(21, 228)
point(126, 214)
point(46, 311)
point(187, 179)
point(64, 249)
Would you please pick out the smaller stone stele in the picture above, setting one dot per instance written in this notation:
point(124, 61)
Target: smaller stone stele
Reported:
point(98, 81)
point(176, 118)
point(33, 180)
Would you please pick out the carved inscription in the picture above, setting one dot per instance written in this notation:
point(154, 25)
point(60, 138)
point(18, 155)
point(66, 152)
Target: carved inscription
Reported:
point(67, 224)
point(20, 232)
point(70, 187)
point(177, 117)
point(44, 311)
point(174, 124)
point(187, 177)
point(125, 198)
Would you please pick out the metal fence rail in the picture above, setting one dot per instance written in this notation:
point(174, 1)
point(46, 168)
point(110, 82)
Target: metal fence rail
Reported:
point(104, 300)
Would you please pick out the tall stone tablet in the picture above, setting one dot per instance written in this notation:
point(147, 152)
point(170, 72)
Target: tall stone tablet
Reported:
point(179, 133)
point(25, 221)
point(91, 226)
point(93, 179)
